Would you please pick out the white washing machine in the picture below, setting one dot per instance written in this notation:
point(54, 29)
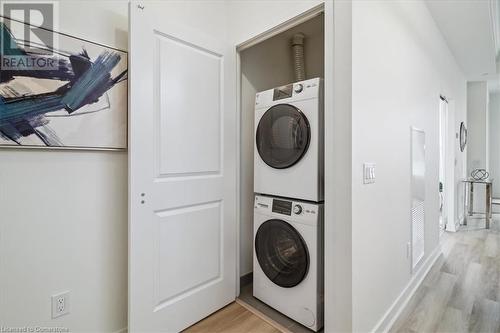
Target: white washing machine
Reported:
point(288, 158)
point(288, 258)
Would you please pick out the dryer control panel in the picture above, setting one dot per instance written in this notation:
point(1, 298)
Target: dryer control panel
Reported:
point(290, 89)
point(289, 93)
point(282, 92)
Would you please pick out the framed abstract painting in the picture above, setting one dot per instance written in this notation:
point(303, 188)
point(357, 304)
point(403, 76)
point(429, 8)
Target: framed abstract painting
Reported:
point(72, 94)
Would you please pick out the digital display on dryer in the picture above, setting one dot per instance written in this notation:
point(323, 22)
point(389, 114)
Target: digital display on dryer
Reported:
point(282, 207)
point(282, 92)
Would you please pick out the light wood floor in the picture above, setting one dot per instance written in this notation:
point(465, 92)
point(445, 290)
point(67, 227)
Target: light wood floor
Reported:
point(234, 318)
point(461, 293)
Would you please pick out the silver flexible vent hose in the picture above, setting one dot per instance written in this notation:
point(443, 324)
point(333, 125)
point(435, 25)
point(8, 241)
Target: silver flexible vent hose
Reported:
point(298, 57)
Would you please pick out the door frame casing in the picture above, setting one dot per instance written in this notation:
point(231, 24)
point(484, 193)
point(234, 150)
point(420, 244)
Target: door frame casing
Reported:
point(327, 9)
point(451, 195)
point(443, 159)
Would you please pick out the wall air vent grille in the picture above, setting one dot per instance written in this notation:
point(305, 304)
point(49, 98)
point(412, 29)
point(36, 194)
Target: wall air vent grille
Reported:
point(417, 223)
point(418, 185)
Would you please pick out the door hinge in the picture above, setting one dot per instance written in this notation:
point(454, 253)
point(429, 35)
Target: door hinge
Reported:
point(141, 7)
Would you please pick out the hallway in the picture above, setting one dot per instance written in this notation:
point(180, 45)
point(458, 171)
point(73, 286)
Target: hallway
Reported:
point(461, 293)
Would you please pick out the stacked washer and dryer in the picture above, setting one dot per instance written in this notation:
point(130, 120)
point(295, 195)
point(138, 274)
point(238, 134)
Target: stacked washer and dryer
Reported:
point(288, 211)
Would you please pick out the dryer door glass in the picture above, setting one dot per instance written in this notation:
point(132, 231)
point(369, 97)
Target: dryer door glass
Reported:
point(283, 136)
point(282, 253)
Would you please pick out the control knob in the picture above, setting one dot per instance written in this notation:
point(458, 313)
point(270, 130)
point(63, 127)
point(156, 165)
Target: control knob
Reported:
point(297, 209)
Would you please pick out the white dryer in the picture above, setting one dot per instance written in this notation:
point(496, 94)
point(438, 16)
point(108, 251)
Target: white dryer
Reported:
point(288, 158)
point(288, 258)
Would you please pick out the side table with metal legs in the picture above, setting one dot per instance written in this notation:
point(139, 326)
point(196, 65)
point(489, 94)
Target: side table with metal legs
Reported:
point(469, 190)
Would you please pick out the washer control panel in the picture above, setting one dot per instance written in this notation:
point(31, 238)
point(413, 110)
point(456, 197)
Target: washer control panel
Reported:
point(282, 207)
point(297, 209)
point(278, 206)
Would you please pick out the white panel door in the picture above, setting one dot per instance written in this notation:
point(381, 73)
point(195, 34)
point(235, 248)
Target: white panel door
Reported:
point(182, 223)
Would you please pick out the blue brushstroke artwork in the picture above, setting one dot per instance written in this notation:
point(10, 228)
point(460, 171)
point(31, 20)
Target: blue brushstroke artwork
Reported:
point(73, 95)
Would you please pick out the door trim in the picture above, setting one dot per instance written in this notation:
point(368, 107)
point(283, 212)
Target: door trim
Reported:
point(451, 196)
point(285, 25)
point(328, 79)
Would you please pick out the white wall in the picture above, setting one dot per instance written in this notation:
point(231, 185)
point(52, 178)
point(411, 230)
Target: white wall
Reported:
point(265, 66)
point(401, 65)
point(477, 135)
point(459, 114)
point(477, 115)
point(494, 145)
point(64, 214)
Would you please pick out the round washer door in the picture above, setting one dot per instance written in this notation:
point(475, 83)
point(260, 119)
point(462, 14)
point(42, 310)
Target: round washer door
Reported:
point(282, 136)
point(282, 253)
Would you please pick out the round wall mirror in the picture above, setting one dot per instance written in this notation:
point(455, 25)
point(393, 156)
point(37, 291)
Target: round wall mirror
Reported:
point(463, 136)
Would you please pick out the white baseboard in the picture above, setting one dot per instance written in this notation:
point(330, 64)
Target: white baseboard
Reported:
point(123, 330)
point(456, 224)
point(390, 316)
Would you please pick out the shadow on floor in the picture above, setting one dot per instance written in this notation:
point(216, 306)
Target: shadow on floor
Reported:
point(246, 295)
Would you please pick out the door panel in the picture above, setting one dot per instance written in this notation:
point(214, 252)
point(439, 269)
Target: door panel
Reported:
point(180, 233)
point(182, 165)
point(191, 84)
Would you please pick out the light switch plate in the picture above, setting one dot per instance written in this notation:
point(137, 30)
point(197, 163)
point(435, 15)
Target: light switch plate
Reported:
point(368, 173)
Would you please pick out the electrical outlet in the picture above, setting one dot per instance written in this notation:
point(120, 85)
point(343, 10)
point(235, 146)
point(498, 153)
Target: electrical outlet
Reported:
point(60, 304)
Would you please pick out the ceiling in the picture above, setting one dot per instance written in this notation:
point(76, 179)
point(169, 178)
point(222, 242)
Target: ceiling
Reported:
point(472, 30)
